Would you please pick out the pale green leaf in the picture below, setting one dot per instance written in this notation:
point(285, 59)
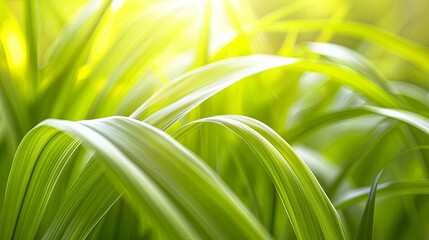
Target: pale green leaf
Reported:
point(309, 209)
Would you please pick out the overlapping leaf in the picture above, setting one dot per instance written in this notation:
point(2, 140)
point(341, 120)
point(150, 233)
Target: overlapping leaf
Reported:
point(309, 209)
point(158, 175)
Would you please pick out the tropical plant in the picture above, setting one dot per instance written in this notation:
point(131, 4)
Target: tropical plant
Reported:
point(210, 120)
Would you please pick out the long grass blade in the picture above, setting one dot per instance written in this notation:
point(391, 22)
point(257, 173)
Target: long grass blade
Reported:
point(365, 230)
point(185, 93)
point(309, 209)
point(142, 179)
point(410, 118)
point(411, 51)
point(82, 207)
point(388, 190)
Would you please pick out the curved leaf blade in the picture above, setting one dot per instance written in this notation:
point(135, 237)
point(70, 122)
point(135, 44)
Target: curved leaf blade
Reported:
point(309, 209)
point(159, 176)
point(388, 189)
point(188, 91)
point(415, 53)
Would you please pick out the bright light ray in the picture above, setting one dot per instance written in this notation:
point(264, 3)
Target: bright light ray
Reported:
point(15, 50)
point(116, 4)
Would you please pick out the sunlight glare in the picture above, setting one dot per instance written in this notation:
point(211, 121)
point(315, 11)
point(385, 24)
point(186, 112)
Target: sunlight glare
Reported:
point(116, 4)
point(14, 49)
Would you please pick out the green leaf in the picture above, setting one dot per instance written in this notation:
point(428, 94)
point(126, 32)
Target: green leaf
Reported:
point(31, 29)
point(309, 125)
point(410, 118)
point(365, 231)
point(350, 59)
point(19, 177)
point(70, 51)
point(160, 179)
point(309, 209)
point(411, 51)
point(176, 99)
point(388, 189)
point(82, 207)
